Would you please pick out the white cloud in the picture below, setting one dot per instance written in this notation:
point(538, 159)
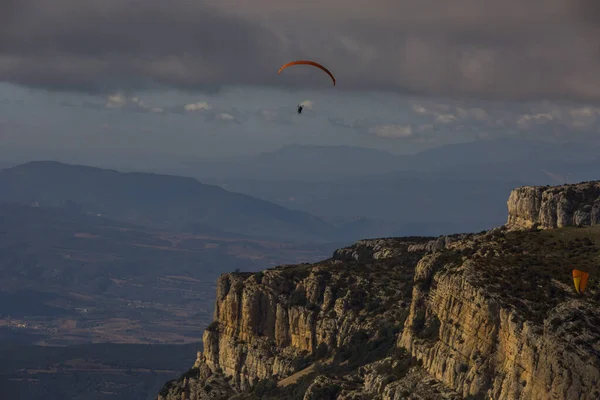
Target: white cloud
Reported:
point(526, 120)
point(420, 109)
point(443, 113)
point(199, 106)
point(225, 117)
point(391, 131)
point(134, 103)
point(137, 101)
point(308, 104)
point(479, 114)
point(116, 101)
point(213, 113)
point(445, 118)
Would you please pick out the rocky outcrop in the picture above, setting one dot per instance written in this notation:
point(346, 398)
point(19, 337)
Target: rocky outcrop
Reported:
point(475, 316)
point(479, 345)
point(554, 206)
point(271, 324)
point(267, 323)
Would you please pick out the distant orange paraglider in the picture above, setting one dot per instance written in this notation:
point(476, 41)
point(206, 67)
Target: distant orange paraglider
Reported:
point(306, 62)
point(580, 279)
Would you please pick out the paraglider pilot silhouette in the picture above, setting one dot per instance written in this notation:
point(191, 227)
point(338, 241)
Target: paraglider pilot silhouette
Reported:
point(306, 62)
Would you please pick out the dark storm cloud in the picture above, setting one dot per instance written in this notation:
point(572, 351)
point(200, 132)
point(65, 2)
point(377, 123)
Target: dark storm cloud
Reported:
point(109, 45)
point(511, 49)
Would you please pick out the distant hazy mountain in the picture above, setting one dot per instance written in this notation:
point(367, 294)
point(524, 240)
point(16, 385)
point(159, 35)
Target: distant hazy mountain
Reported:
point(156, 200)
point(298, 162)
point(502, 151)
point(458, 187)
point(429, 206)
point(6, 164)
point(529, 161)
point(533, 162)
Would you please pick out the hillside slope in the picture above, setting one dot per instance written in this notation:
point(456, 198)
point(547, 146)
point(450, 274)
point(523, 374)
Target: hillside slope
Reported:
point(157, 200)
point(475, 316)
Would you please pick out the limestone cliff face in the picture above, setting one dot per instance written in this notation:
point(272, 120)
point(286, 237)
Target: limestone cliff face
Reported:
point(481, 346)
point(266, 325)
point(473, 316)
point(266, 321)
point(554, 206)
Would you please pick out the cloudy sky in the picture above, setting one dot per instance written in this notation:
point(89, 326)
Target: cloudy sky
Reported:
point(179, 79)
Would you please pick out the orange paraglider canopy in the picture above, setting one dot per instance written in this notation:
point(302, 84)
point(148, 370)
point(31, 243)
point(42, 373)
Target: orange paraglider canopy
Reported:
point(580, 279)
point(306, 62)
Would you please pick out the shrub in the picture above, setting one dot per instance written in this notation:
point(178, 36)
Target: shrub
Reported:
point(263, 387)
point(298, 298)
point(213, 327)
point(302, 362)
point(327, 392)
point(322, 350)
point(190, 373)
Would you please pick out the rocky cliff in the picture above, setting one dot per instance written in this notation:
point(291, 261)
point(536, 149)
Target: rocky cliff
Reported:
point(475, 316)
point(554, 206)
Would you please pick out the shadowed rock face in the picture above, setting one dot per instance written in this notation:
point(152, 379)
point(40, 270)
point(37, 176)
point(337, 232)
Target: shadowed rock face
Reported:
point(490, 315)
point(555, 207)
point(482, 345)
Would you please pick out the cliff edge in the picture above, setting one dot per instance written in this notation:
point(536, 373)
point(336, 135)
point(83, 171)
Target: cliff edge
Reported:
point(473, 316)
point(554, 206)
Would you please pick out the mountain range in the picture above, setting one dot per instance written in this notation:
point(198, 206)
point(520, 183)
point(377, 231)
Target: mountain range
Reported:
point(312, 212)
point(160, 201)
point(453, 188)
point(496, 159)
point(312, 193)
